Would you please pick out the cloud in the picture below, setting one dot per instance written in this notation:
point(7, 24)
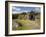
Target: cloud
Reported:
point(37, 9)
point(15, 9)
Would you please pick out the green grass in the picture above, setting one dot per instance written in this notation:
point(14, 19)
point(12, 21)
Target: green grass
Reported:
point(23, 22)
point(23, 28)
point(27, 24)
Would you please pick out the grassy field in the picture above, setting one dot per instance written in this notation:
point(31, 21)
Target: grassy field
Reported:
point(25, 24)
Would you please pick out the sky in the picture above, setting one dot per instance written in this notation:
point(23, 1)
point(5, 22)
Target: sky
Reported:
point(20, 9)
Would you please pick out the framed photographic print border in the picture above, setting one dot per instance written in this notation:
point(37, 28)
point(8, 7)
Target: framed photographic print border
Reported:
point(6, 17)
